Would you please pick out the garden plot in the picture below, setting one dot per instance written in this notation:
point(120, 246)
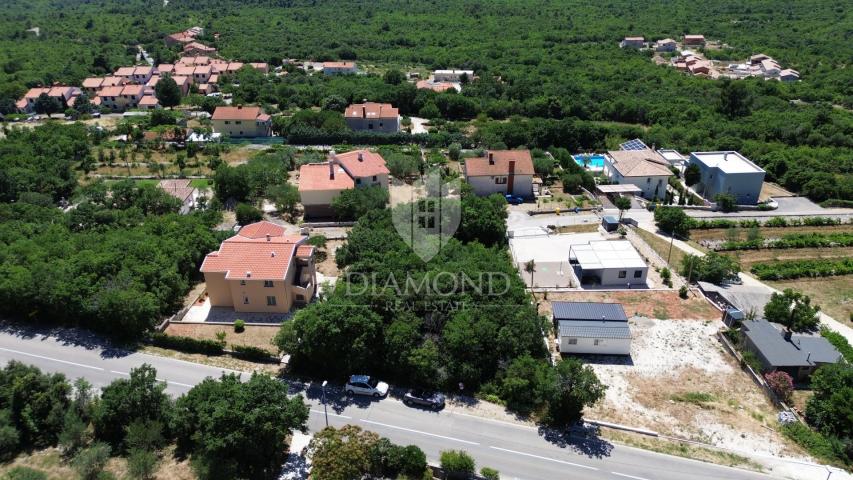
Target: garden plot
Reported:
point(679, 381)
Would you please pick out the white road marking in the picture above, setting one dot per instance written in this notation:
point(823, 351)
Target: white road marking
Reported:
point(519, 425)
point(320, 412)
point(51, 359)
point(120, 373)
point(175, 383)
point(628, 476)
point(420, 432)
point(545, 458)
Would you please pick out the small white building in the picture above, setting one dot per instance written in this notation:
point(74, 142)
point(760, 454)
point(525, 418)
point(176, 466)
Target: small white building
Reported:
point(673, 157)
point(452, 75)
point(592, 328)
point(608, 263)
point(632, 42)
point(645, 168)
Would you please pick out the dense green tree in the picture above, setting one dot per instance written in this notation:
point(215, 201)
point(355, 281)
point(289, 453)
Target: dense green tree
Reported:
point(483, 219)
point(394, 77)
point(167, 92)
point(90, 462)
point(341, 453)
point(793, 310)
point(32, 406)
point(217, 419)
point(82, 105)
point(139, 398)
point(527, 384)
point(457, 463)
point(247, 213)
point(830, 409)
point(673, 221)
point(735, 99)
point(692, 175)
point(576, 388)
point(353, 203)
point(713, 268)
point(47, 105)
point(285, 197)
point(622, 203)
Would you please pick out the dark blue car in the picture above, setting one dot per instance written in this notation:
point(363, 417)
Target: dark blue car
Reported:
point(514, 199)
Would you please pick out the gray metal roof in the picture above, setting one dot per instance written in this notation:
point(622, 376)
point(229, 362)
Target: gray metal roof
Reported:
point(800, 351)
point(608, 312)
point(593, 329)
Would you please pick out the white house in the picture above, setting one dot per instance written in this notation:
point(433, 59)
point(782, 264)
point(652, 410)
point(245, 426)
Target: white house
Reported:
point(501, 171)
point(728, 172)
point(608, 262)
point(646, 169)
point(592, 328)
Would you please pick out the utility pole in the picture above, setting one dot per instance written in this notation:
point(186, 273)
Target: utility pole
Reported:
point(671, 239)
point(325, 409)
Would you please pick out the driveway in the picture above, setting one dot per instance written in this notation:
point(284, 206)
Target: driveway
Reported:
point(419, 125)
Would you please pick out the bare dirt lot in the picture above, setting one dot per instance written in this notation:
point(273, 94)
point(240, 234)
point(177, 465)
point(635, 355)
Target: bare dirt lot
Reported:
point(328, 267)
point(652, 304)
point(51, 463)
point(254, 335)
point(679, 381)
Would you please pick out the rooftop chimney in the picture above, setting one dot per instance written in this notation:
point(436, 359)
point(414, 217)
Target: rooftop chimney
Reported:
point(331, 171)
point(272, 254)
point(268, 237)
point(491, 158)
point(239, 106)
point(248, 274)
point(363, 111)
point(360, 156)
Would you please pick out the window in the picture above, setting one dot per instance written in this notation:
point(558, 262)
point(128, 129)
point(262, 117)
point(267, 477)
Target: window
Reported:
point(241, 132)
point(270, 301)
point(374, 178)
point(380, 124)
point(597, 342)
point(227, 122)
point(500, 180)
point(358, 181)
point(300, 298)
point(623, 273)
point(245, 300)
point(238, 122)
point(648, 180)
point(573, 341)
point(638, 273)
point(370, 126)
point(268, 283)
point(242, 282)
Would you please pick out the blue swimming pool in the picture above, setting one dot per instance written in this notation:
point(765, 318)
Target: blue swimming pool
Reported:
point(593, 161)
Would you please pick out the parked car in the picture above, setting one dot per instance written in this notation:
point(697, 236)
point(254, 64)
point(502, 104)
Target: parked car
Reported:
point(424, 398)
point(514, 199)
point(366, 385)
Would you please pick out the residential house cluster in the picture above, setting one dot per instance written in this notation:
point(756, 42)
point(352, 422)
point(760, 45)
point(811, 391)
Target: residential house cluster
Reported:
point(691, 62)
point(321, 183)
point(185, 37)
point(761, 65)
point(663, 45)
point(66, 95)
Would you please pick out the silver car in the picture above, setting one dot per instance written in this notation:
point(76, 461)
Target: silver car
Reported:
point(366, 385)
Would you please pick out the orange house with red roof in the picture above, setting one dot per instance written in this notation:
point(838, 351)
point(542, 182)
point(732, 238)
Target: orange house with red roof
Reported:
point(260, 269)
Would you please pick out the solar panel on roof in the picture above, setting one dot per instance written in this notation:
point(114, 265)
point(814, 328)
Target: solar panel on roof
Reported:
point(635, 144)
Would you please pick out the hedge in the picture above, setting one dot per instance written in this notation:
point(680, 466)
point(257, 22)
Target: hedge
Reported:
point(773, 222)
point(187, 344)
point(813, 268)
point(248, 352)
point(793, 240)
point(827, 448)
point(303, 135)
point(839, 342)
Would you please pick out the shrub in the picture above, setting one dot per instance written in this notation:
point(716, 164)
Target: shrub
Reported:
point(810, 268)
point(781, 384)
point(839, 342)
point(750, 359)
point(90, 462)
point(490, 473)
point(666, 276)
point(457, 463)
point(249, 352)
point(25, 473)
point(816, 444)
point(682, 292)
point(141, 464)
point(726, 201)
point(239, 326)
point(186, 344)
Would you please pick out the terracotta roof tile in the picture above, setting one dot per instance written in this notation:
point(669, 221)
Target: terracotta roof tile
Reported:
point(236, 113)
point(252, 254)
point(362, 163)
point(316, 176)
point(480, 166)
point(371, 110)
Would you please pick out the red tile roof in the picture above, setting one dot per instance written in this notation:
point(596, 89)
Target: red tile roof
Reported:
point(93, 82)
point(124, 72)
point(480, 166)
point(304, 251)
point(338, 64)
point(315, 176)
point(111, 91)
point(149, 101)
point(144, 70)
point(371, 110)
point(112, 81)
point(362, 163)
point(236, 113)
point(134, 90)
point(252, 254)
point(434, 86)
point(165, 67)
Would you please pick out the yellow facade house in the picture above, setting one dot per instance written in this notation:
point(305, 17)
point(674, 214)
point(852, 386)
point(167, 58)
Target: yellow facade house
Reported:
point(260, 269)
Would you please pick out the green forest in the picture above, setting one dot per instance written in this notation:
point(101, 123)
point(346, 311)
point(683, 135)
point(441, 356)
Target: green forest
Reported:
point(553, 68)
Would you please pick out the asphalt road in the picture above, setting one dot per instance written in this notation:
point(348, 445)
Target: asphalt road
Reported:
point(517, 451)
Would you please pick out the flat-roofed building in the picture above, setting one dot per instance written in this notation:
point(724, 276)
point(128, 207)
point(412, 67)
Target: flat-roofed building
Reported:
point(728, 172)
point(592, 328)
point(632, 42)
point(608, 263)
point(452, 75)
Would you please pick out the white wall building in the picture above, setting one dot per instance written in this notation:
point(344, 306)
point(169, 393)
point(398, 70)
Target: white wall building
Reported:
point(646, 169)
point(608, 263)
point(728, 172)
point(592, 328)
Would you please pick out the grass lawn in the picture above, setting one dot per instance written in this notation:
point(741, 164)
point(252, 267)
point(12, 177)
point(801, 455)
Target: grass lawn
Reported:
point(833, 294)
point(661, 246)
point(254, 335)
